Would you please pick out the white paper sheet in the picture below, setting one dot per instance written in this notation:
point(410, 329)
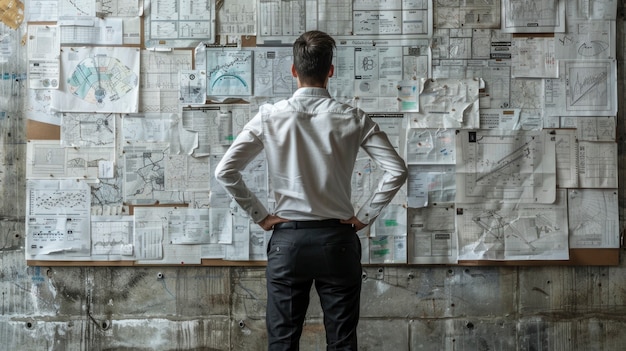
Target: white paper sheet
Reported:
point(593, 218)
point(505, 166)
point(103, 79)
point(501, 231)
point(58, 220)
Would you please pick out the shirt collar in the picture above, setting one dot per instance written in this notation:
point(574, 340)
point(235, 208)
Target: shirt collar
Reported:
point(310, 91)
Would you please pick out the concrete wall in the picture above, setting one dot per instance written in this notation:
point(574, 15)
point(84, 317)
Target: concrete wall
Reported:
point(222, 308)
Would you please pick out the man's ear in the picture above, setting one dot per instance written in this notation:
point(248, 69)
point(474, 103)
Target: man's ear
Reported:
point(293, 70)
point(332, 71)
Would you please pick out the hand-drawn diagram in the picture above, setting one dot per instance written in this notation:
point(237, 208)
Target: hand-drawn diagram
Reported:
point(111, 238)
point(533, 16)
point(584, 88)
point(593, 218)
point(522, 231)
point(517, 166)
point(272, 72)
point(588, 87)
point(463, 14)
point(118, 8)
point(144, 177)
point(179, 23)
point(50, 202)
point(192, 87)
point(108, 192)
point(88, 130)
point(229, 73)
point(186, 173)
point(160, 70)
point(526, 93)
point(76, 8)
point(434, 146)
point(100, 79)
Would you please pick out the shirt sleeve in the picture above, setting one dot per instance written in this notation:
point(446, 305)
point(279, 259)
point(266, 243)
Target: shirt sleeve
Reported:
point(228, 172)
point(379, 148)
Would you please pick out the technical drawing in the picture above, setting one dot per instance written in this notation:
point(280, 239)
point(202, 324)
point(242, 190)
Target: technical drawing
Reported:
point(50, 202)
point(588, 86)
point(529, 10)
point(526, 93)
point(117, 8)
point(229, 73)
point(594, 218)
point(77, 8)
point(88, 130)
point(272, 72)
point(111, 237)
point(510, 167)
point(525, 229)
point(144, 175)
point(533, 16)
point(513, 231)
point(593, 48)
point(101, 79)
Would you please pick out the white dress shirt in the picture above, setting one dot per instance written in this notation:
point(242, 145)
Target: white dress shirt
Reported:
point(311, 143)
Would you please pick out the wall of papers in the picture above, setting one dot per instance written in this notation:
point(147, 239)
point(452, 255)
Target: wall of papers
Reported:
point(505, 112)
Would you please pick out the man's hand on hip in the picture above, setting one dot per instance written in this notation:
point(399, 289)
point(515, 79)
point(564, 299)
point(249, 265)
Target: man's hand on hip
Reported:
point(358, 225)
point(268, 222)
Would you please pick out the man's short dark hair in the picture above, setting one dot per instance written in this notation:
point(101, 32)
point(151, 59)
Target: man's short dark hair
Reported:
point(313, 56)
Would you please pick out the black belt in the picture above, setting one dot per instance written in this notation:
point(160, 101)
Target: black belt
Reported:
point(325, 223)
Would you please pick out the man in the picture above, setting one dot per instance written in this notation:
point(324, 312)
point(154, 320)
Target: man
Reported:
point(311, 143)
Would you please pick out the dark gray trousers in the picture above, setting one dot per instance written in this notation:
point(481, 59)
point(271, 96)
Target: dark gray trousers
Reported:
point(298, 255)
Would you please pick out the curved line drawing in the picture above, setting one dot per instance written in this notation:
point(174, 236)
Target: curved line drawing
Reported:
point(229, 75)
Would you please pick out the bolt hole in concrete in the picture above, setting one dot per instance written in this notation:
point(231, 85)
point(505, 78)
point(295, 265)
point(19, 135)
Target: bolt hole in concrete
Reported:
point(29, 325)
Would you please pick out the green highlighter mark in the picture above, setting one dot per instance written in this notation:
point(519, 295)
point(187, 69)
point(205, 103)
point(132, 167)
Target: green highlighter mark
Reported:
point(391, 223)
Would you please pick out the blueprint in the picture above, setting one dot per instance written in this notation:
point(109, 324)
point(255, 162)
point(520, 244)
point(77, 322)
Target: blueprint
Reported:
point(505, 166)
